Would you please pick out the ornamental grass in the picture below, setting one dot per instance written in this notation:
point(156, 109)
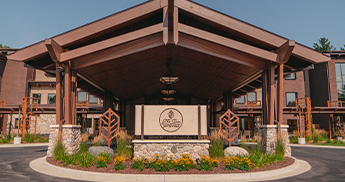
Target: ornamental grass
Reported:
point(124, 144)
point(216, 145)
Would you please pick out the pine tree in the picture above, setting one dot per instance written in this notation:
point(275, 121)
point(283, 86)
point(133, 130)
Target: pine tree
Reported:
point(4, 46)
point(343, 48)
point(324, 45)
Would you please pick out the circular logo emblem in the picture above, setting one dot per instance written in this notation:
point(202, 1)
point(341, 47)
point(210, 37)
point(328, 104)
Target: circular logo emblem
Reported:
point(171, 120)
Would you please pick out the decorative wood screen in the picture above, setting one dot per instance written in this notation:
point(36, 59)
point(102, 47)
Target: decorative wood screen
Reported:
point(109, 125)
point(30, 105)
point(228, 123)
point(303, 105)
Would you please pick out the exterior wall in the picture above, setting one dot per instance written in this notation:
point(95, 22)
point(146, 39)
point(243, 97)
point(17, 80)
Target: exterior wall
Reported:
point(44, 91)
point(14, 83)
point(39, 76)
point(293, 86)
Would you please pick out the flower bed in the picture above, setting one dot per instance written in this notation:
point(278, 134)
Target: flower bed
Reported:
point(184, 165)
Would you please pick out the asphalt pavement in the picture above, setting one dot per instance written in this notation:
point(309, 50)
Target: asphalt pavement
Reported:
point(327, 164)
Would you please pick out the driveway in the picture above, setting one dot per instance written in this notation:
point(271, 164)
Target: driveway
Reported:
point(327, 164)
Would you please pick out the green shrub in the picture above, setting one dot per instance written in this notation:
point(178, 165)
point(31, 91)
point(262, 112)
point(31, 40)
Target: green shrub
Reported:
point(293, 139)
point(118, 163)
point(216, 145)
point(59, 151)
point(138, 163)
point(280, 146)
point(206, 163)
point(124, 147)
point(84, 159)
point(29, 138)
point(69, 159)
point(83, 147)
point(245, 147)
point(320, 136)
point(260, 159)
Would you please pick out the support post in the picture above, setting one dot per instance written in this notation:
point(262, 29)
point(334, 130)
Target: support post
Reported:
point(270, 94)
point(142, 122)
point(264, 97)
point(199, 123)
point(68, 90)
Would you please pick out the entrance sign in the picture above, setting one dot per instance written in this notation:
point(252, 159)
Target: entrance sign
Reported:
point(170, 120)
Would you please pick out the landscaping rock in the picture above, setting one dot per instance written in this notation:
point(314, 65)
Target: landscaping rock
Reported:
point(235, 151)
point(97, 150)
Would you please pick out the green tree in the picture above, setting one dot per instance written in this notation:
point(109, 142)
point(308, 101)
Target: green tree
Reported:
point(343, 48)
point(4, 46)
point(324, 45)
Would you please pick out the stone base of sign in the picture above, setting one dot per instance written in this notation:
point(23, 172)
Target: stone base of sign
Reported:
point(70, 138)
point(268, 135)
point(171, 148)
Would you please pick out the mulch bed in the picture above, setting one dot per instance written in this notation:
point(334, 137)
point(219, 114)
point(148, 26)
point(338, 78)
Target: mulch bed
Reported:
point(217, 170)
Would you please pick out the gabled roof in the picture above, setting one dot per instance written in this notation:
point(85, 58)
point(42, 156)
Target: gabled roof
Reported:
point(127, 51)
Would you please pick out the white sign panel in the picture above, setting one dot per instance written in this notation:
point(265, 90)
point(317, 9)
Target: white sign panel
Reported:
point(170, 120)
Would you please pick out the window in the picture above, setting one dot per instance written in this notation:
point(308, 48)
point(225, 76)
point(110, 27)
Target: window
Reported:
point(51, 98)
point(251, 96)
point(240, 100)
point(291, 76)
point(291, 99)
point(82, 96)
point(340, 78)
point(38, 96)
point(93, 99)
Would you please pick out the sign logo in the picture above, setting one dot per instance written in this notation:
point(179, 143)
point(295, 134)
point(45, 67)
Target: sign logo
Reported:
point(171, 120)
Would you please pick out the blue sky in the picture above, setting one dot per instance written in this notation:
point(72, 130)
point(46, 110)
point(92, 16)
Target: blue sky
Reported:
point(26, 22)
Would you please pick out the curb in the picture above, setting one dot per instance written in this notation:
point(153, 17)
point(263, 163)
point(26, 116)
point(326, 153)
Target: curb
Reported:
point(318, 146)
point(23, 145)
point(42, 166)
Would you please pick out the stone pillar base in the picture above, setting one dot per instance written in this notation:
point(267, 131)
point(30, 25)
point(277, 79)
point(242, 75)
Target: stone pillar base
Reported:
point(70, 138)
point(268, 135)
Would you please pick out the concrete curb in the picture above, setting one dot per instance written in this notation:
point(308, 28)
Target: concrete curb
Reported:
point(23, 145)
point(318, 146)
point(42, 166)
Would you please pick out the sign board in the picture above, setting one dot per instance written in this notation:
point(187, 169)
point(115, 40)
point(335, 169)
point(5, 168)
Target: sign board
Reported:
point(170, 119)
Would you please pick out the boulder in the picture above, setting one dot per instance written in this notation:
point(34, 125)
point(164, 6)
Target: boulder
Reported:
point(97, 150)
point(235, 151)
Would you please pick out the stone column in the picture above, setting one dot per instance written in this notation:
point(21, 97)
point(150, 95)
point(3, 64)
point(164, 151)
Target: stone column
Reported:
point(268, 134)
point(285, 137)
point(70, 138)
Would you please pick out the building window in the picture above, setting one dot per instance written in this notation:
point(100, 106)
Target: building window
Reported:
point(291, 76)
point(51, 98)
point(82, 96)
point(93, 99)
point(291, 99)
point(38, 96)
point(251, 96)
point(240, 100)
point(340, 78)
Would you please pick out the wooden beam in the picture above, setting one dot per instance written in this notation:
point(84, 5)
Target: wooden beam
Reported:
point(112, 42)
point(90, 29)
point(58, 87)
point(90, 82)
point(270, 99)
point(54, 49)
point(280, 93)
point(67, 93)
point(219, 51)
point(231, 23)
point(284, 52)
point(139, 45)
point(255, 77)
point(257, 52)
point(309, 54)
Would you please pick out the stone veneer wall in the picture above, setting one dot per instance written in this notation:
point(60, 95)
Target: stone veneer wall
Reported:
point(268, 134)
point(173, 148)
point(70, 138)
